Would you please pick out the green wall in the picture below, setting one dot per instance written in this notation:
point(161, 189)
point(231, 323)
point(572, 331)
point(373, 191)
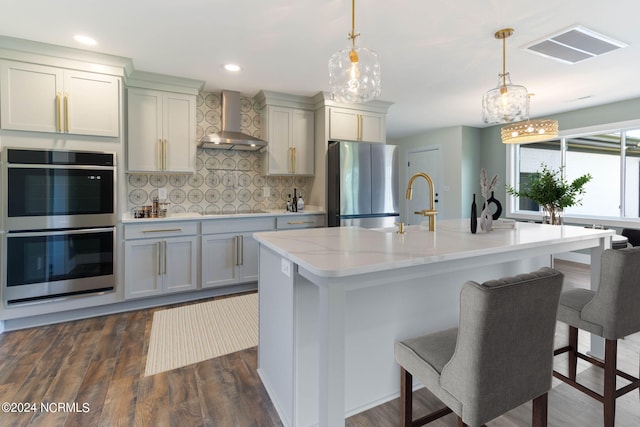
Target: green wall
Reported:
point(465, 150)
point(494, 153)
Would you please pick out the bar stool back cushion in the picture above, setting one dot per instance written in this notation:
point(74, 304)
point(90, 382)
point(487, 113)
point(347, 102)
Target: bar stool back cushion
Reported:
point(615, 307)
point(503, 353)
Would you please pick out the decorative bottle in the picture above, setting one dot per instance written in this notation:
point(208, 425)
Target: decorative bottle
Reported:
point(294, 204)
point(496, 202)
point(474, 215)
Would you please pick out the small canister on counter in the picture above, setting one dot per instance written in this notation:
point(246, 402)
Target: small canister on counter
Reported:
point(138, 213)
point(147, 211)
point(154, 208)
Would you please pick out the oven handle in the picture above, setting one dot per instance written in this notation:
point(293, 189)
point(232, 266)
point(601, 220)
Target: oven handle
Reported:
point(58, 232)
point(37, 166)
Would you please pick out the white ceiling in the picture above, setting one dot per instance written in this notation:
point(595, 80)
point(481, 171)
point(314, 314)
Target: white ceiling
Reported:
point(438, 57)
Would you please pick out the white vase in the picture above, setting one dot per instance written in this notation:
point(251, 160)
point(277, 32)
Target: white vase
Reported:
point(486, 219)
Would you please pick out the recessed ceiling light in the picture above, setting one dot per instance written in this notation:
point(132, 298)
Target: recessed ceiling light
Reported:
point(89, 41)
point(232, 67)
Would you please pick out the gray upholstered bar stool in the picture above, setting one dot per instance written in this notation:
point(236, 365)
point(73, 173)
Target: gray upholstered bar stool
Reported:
point(499, 357)
point(612, 312)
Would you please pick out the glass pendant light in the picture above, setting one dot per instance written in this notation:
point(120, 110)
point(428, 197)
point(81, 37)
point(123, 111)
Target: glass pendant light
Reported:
point(507, 102)
point(354, 73)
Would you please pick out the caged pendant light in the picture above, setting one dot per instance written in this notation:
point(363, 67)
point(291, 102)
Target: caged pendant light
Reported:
point(506, 102)
point(354, 73)
point(528, 131)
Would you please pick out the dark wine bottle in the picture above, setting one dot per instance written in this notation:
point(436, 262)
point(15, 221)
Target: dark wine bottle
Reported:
point(474, 215)
point(294, 204)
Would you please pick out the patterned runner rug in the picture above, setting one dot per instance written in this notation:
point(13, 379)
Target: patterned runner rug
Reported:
point(193, 333)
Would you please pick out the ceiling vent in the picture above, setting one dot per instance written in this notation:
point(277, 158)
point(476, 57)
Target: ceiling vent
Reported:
point(575, 45)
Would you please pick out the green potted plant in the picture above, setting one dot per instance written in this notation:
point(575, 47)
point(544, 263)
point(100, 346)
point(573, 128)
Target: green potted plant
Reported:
point(553, 192)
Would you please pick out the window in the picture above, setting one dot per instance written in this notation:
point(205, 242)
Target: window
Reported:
point(611, 157)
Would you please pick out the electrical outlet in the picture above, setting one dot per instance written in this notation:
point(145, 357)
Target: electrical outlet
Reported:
point(285, 267)
point(266, 191)
point(162, 193)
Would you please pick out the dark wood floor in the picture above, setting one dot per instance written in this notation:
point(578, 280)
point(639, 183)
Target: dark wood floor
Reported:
point(98, 364)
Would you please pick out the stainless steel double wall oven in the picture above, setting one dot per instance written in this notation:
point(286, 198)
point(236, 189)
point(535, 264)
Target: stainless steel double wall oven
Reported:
point(59, 216)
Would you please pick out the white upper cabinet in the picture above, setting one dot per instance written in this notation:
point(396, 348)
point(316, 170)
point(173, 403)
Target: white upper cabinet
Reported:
point(354, 125)
point(289, 130)
point(161, 131)
point(49, 99)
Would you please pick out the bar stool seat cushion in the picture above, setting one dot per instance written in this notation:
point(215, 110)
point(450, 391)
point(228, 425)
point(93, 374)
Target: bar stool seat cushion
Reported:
point(426, 356)
point(570, 309)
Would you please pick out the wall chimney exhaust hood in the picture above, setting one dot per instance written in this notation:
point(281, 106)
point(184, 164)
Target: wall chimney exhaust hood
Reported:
point(230, 137)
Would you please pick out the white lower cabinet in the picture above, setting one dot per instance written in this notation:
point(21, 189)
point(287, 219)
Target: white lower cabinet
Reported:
point(166, 263)
point(229, 252)
point(229, 259)
point(162, 257)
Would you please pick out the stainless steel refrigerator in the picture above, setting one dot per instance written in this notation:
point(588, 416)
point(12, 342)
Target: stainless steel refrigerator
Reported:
point(362, 184)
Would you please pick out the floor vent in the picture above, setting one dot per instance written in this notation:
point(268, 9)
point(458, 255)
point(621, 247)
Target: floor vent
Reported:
point(575, 45)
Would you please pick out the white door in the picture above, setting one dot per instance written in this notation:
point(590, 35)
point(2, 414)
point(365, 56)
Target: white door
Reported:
point(427, 161)
point(250, 264)
point(219, 260)
point(91, 103)
point(180, 264)
point(179, 125)
point(144, 130)
point(142, 277)
point(302, 140)
point(31, 97)
point(279, 137)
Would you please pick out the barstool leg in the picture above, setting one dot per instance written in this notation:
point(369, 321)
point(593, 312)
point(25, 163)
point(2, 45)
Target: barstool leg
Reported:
point(573, 358)
point(610, 362)
point(539, 416)
point(406, 398)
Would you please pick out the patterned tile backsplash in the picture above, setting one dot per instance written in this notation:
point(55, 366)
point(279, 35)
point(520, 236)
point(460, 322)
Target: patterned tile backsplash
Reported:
point(226, 181)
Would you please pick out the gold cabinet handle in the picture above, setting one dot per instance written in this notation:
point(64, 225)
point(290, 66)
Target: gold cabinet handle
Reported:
point(160, 163)
point(66, 112)
point(166, 230)
point(164, 252)
point(240, 250)
point(300, 222)
point(359, 127)
point(295, 159)
point(164, 155)
point(290, 159)
point(59, 108)
point(235, 250)
point(159, 248)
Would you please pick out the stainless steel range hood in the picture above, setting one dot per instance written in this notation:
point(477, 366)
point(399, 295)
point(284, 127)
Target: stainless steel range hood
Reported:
point(230, 137)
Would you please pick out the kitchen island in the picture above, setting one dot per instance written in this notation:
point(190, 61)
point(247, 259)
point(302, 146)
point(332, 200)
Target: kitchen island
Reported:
point(334, 300)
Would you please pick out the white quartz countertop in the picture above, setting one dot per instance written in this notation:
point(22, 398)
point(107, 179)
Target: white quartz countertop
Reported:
point(310, 210)
point(345, 251)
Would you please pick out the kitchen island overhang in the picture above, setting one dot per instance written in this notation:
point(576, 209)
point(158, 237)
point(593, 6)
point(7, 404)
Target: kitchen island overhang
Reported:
point(334, 300)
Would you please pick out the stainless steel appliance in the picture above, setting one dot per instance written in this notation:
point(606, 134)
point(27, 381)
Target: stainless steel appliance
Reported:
point(362, 184)
point(59, 221)
point(231, 137)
